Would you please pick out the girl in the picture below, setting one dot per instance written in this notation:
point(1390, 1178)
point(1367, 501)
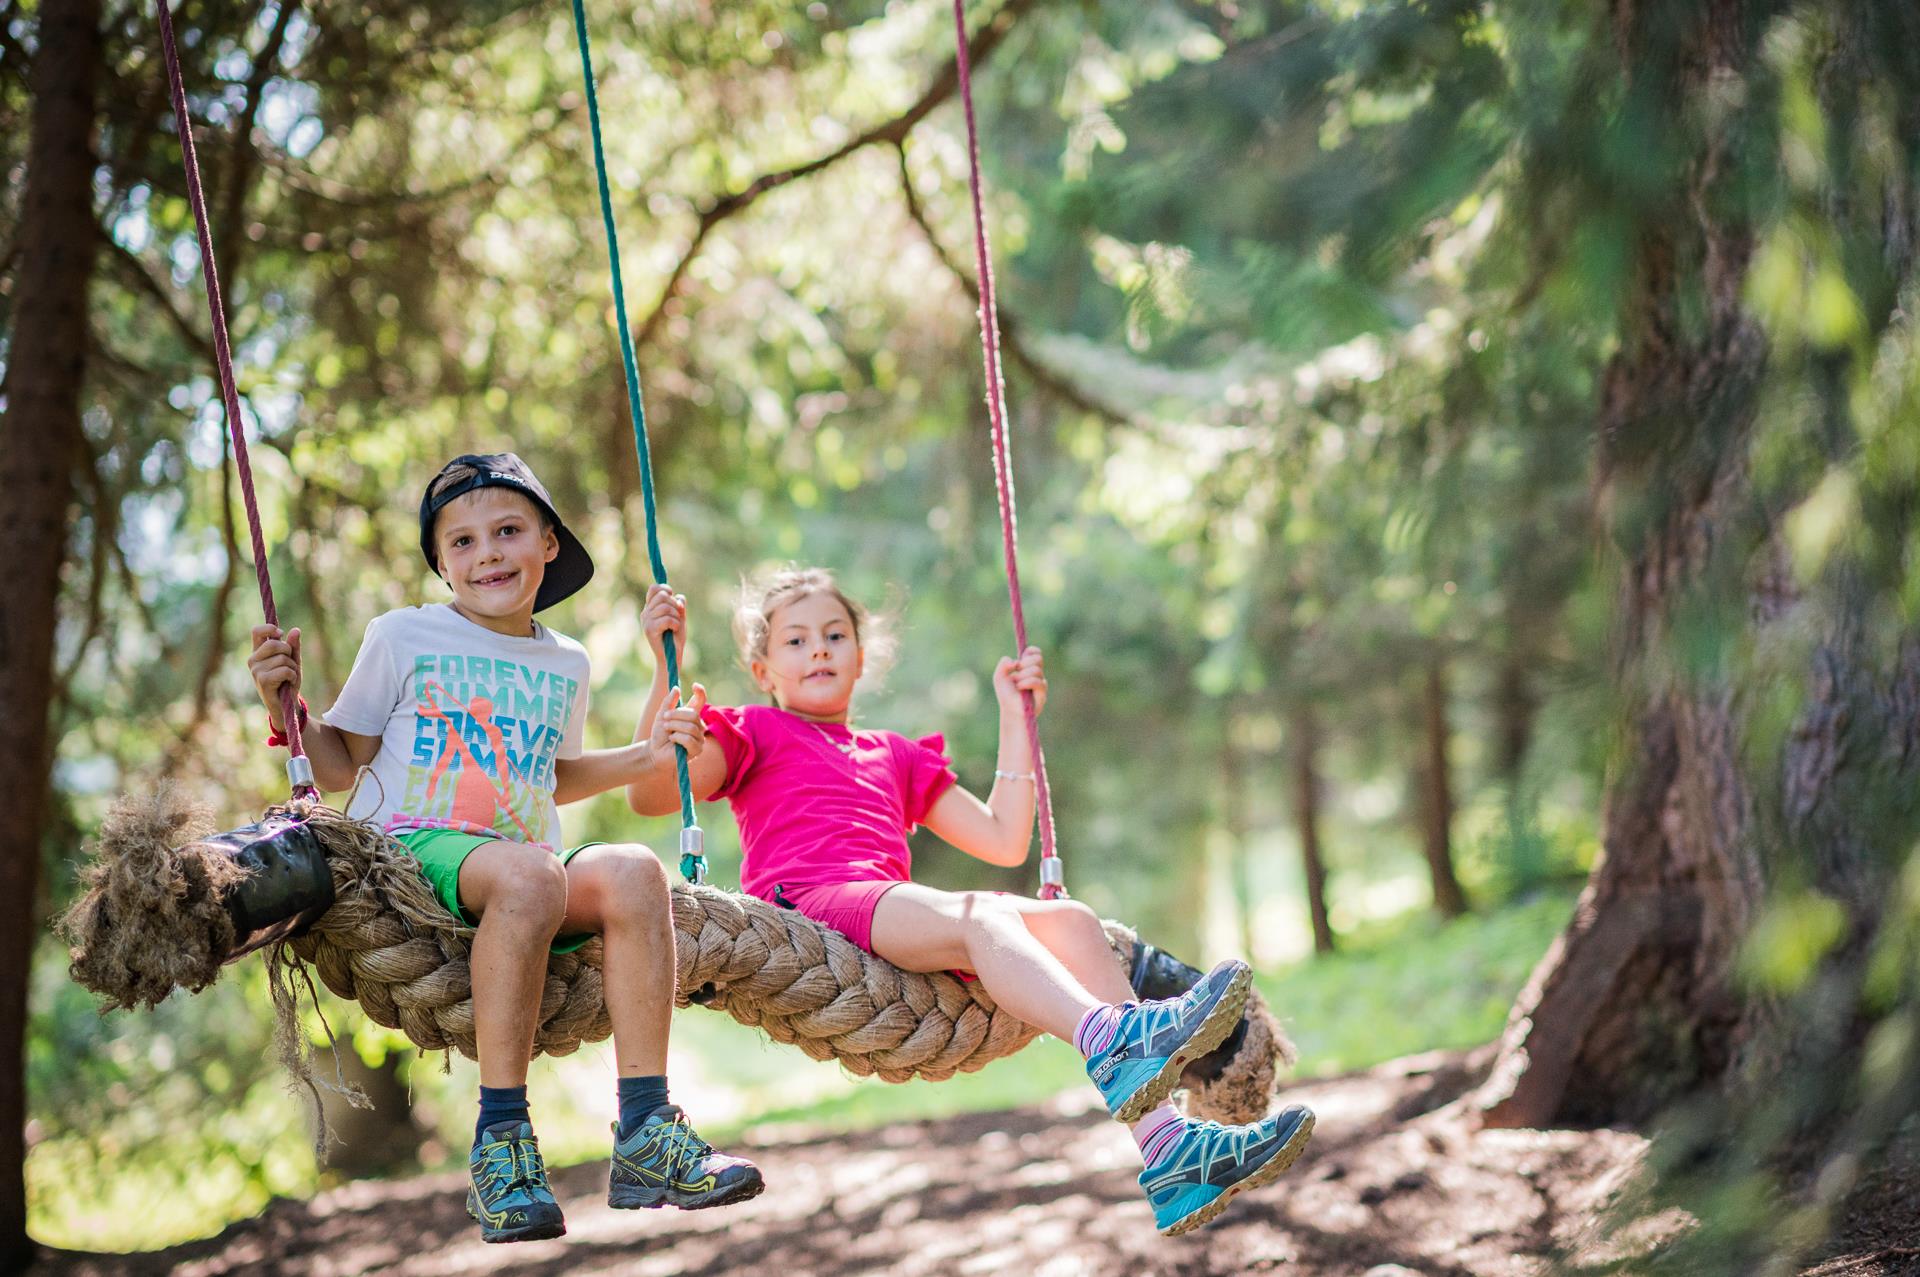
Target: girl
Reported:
point(824, 811)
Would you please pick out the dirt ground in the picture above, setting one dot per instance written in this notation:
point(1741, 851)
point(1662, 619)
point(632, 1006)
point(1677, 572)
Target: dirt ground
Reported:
point(1396, 1184)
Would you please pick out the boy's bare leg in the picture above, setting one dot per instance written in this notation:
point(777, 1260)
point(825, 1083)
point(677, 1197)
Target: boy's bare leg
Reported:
point(519, 894)
point(621, 892)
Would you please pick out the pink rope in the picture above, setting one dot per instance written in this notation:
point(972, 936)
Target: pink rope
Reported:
point(1002, 461)
point(223, 356)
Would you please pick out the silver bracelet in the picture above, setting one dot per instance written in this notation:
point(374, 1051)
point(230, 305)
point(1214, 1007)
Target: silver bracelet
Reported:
point(1000, 775)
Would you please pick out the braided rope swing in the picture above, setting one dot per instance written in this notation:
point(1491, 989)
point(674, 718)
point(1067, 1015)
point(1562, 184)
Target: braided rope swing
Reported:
point(158, 912)
point(390, 944)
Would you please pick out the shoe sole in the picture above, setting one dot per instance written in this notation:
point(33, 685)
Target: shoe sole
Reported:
point(1211, 1033)
point(655, 1198)
point(1271, 1170)
point(532, 1233)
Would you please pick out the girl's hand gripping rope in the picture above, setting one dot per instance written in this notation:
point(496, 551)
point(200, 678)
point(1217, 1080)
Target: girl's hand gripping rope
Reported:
point(1012, 676)
point(677, 725)
point(665, 613)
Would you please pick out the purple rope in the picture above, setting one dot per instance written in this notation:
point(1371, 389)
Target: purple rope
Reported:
point(1002, 461)
point(223, 356)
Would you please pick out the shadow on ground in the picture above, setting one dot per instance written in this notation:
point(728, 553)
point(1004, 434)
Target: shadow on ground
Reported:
point(1396, 1184)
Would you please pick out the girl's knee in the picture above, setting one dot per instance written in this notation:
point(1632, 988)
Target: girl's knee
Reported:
point(986, 911)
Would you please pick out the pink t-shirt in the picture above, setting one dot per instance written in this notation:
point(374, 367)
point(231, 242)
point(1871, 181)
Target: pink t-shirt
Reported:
point(821, 803)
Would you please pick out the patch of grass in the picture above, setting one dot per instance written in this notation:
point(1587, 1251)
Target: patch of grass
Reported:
point(1414, 983)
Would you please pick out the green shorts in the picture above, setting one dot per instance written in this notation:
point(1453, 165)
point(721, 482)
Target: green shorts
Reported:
point(441, 852)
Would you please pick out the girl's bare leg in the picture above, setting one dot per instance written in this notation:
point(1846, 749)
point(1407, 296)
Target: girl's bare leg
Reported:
point(920, 929)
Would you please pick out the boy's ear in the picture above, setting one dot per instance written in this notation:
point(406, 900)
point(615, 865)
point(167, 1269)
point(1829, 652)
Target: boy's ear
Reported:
point(553, 545)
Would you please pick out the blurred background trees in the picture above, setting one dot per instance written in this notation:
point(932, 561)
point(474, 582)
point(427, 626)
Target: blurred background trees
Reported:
point(1453, 439)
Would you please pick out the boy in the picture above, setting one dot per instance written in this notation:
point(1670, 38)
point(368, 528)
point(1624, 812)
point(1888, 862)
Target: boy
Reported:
point(469, 717)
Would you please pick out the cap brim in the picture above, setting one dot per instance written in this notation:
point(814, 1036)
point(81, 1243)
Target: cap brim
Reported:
point(571, 569)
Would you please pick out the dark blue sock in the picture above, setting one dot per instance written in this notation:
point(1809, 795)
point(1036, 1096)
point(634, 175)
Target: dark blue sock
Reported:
point(500, 1104)
point(639, 1096)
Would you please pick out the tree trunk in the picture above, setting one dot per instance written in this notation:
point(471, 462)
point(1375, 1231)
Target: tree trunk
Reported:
point(1436, 792)
point(40, 444)
point(371, 1141)
point(1306, 813)
point(1634, 1005)
point(1516, 704)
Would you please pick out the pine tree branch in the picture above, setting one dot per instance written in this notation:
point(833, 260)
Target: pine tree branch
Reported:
point(1010, 329)
point(980, 47)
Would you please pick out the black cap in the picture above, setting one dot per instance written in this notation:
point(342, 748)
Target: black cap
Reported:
point(570, 569)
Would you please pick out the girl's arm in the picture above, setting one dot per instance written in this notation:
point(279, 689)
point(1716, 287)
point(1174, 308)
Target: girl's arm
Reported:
point(656, 792)
point(337, 756)
point(999, 830)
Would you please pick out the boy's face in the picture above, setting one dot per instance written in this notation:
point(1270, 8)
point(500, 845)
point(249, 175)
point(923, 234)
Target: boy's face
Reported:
point(494, 552)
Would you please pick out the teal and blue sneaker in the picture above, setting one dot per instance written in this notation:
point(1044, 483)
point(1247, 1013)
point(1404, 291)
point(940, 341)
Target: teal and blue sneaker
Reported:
point(1210, 1164)
point(509, 1193)
point(1157, 1039)
point(664, 1163)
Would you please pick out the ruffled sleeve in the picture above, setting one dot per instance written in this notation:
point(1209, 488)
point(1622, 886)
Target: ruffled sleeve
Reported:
point(729, 727)
point(927, 774)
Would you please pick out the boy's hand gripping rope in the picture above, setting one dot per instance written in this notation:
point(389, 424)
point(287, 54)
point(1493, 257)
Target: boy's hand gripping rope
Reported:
point(1052, 875)
point(299, 766)
point(693, 861)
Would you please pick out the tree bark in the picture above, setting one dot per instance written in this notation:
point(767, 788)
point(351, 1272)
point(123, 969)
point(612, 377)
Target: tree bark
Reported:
point(1306, 814)
point(1436, 791)
point(1636, 1005)
point(40, 446)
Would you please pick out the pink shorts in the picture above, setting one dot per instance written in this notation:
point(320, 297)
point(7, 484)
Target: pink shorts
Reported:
point(847, 907)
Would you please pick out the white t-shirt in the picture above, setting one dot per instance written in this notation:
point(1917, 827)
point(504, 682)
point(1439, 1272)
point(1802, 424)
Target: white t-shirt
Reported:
point(470, 724)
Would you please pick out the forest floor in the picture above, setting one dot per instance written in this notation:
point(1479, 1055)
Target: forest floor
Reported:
point(1397, 1183)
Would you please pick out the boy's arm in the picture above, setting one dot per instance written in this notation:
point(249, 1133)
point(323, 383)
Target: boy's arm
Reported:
point(648, 764)
point(654, 790)
point(337, 756)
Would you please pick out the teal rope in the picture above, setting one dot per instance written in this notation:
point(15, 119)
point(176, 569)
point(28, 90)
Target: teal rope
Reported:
point(693, 865)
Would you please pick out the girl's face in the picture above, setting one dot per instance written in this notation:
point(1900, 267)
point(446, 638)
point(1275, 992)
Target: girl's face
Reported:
point(813, 659)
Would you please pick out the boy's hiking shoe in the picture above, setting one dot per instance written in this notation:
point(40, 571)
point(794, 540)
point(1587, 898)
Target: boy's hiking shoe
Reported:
point(509, 1193)
point(664, 1163)
point(1156, 1040)
point(1211, 1164)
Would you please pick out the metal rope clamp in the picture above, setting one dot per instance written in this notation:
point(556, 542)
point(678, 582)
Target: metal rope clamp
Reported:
point(693, 859)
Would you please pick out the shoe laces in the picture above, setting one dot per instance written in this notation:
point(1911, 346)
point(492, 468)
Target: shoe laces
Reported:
point(508, 1163)
point(684, 1147)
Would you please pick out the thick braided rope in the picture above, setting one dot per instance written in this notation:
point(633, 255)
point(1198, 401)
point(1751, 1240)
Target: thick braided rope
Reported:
point(997, 415)
point(223, 354)
point(390, 944)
